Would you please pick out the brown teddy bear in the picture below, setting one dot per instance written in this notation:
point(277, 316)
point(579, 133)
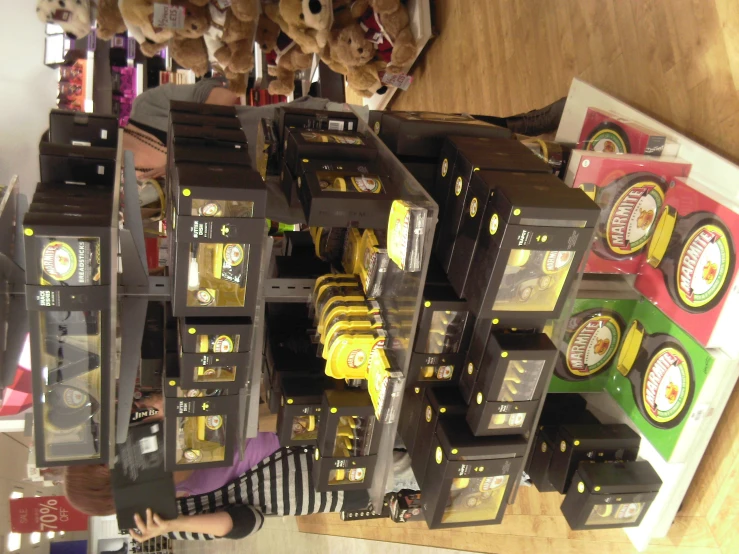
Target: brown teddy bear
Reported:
point(190, 53)
point(310, 39)
point(387, 24)
point(138, 15)
point(109, 20)
point(230, 39)
point(284, 56)
point(352, 54)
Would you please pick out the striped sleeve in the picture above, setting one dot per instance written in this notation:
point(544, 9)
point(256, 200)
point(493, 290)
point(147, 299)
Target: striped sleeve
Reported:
point(247, 520)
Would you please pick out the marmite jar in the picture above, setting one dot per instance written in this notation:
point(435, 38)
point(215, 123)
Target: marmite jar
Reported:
point(555, 154)
point(69, 407)
point(534, 275)
point(222, 344)
point(696, 256)
point(629, 208)
point(591, 341)
point(201, 439)
point(355, 183)
point(661, 375)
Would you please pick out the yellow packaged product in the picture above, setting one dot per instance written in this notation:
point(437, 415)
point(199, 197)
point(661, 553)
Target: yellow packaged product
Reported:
point(330, 304)
point(384, 384)
point(405, 235)
point(349, 353)
point(351, 259)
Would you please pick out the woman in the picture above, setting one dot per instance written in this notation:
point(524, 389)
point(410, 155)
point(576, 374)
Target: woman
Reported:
point(223, 502)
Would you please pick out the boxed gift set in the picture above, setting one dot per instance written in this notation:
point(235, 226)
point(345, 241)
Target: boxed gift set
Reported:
point(604, 131)
point(83, 129)
point(300, 144)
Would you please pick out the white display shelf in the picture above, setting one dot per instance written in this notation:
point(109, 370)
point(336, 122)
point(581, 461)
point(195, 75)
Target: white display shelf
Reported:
point(717, 177)
point(419, 12)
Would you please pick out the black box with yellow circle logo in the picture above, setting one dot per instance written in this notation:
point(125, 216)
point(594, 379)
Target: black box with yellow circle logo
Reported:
point(215, 334)
point(336, 193)
point(470, 155)
point(290, 118)
point(200, 432)
point(608, 496)
point(528, 253)
point(514, 370)
point(348, 440)
point(444, 330)
point(469, 479)
point(410, 411)
point(300, 410)
point(226, 371)
point(312, 144)
point(172, 386)
point(577, 443)
point(436, 404)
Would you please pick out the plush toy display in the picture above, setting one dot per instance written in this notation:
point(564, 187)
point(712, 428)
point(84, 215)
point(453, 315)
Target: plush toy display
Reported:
point(71, 15)
point(387, 24)
point(190, 53)
point(311, 38)
point(230, 39)
point(138, 15)
point(284, 56)
point(351, 53)
point(109, 20)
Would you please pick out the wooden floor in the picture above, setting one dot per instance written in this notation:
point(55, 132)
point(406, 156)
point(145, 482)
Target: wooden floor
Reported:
point(677, 60)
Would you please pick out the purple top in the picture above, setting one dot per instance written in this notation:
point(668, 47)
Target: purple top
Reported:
point(205, 480)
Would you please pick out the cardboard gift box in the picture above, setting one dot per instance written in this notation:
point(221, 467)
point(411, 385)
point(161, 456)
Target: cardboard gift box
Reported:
point(436, 404)
point(300, 144)
point(469, 479)
point(422, 134)
point(77, 165)
point(604, 131)
point(410, 412)
point(200, 432)
point(514, 370)
point(299, 415)
point(345, 194)
point(529, 250)
point(691, 267)
point(206, 334)
point(666, 382)
point(593, 337)
point(207, 145)
point(630, 190)
point(212, 110)
point(480, 192)
point(205, 121)
point(289, 117)
point(607, 496)
point(348, 440)
point(599, 443)
point(83, 129)
point(460, 158)
point(444, 329)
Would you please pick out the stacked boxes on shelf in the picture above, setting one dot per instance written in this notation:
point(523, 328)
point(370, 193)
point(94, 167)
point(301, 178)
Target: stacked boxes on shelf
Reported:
point(71, 268)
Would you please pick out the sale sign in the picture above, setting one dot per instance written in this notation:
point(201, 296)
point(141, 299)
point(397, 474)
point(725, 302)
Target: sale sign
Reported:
point(45, 513)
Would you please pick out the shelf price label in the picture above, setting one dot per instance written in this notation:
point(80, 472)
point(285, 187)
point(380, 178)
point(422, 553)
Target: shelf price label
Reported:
point(45, 513)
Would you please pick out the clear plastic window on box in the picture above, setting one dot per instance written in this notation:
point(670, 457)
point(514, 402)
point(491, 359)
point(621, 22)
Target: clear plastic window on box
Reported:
point(519, 382)
point(222, 208)
point(506, 421)
point(533, 280)
point(336, 181)
point(221, 344)
point(217, 274)
point(71, 378)
point(201, 439)
point(475, 499)
point(445, 332)
point(353, 436)
point(305, 427)
point(215, 374)
point(604, 514)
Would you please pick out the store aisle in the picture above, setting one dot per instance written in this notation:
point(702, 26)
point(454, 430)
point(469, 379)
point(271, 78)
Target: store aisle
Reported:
point(281, 536)
point(675, 59)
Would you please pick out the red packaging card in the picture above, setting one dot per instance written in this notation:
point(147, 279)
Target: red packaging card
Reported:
point(606, 132)
point(630, 191)
point(691, 266)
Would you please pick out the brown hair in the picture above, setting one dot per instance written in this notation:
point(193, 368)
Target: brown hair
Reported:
point(89, 490)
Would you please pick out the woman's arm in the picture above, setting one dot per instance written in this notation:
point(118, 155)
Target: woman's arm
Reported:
point(235, 522)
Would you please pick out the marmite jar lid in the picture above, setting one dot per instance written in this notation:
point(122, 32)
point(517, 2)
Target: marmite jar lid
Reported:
point(349, 354)
point(519, 257)
point(630, 348)
point(662, 235)
point(590, 189)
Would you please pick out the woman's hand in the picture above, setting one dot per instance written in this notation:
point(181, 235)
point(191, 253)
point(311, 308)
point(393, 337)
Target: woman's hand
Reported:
point(154, 173)
point(152, 527)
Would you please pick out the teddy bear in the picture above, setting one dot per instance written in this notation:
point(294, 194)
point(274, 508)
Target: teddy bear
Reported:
point(71, 15)
point(230, 40)
point(109, 20)
point(138, 15)
point(387, 24)
point(352, 54)
point(190, 53)
point(284, 56)
point(310, 39)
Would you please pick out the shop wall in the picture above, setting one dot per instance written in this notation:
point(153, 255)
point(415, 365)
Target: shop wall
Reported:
point(28, 91)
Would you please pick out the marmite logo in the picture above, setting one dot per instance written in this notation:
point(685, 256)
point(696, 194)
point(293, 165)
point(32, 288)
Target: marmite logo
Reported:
point(631, 221)
point(74, 398)
point(367, 184)
point(356, 358)
point(223, 344)
point(490, 483)
point(593, 345)
point(703, 266)
point(666, 386)
point(59, 260)
point(556, 260)
point(214, 422)
point(233, 254)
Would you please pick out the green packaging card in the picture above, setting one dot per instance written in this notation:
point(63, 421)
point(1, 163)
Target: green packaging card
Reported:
point(659, 374)
point(590, 344)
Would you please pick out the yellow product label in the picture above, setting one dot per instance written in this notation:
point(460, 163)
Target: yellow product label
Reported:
point(398, 230)
point(703, 266)
point(351, 257)
point(342, 326)
point(349, 354)
point(328, 278)
point(331, 303)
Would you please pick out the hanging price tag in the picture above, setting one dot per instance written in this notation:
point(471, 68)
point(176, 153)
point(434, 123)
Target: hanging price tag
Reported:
point(168, 17)
point(400, 80)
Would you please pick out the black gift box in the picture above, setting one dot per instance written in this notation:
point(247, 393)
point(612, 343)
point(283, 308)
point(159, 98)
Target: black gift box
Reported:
point(83, 129)
point(444, 329)
point(78, 165)
point(299, 415)
point(469, 479)
point(606, 496)
point(405, 506)
point(289, 118)
point(541, 456)
point(481, 191)
point(200, 432)
point(437, 404)
point(302, 145)
point(460, 157)
point(410, 412)
point(225, 371)
point(207, 145)
point(202, 109)
point(204, 120)
point(529, 250)
point(422, 134)
point(139, 480)
point(582, 443)
point(345, 194)
point(347, 442)
point(207, 334)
